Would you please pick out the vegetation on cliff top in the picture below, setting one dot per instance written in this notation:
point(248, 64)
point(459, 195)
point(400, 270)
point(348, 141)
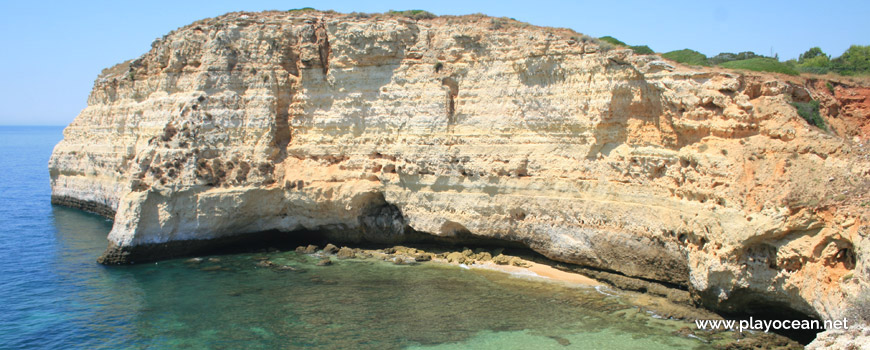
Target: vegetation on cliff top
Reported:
point(638, 49)
point(855, 61)
point(761, 64)
point(612, 40)
point(687, 56)
point(415, 14)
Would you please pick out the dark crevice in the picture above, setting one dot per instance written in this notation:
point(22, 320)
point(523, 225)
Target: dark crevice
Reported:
point(589, 270)
point(282, 133)
point(323, 48)
point(452, 92)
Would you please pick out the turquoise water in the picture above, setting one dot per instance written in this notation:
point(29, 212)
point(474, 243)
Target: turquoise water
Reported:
point(55, 296)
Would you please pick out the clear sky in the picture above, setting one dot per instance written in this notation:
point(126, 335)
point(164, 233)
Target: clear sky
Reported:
point(52, 52)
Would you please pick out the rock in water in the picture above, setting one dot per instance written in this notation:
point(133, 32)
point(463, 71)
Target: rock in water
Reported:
point(345, 253)
point(330, 249)
point(265, 263)
point(380, 130)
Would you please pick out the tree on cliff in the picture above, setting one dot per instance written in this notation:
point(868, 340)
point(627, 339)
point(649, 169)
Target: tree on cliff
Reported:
point(811, 54)
point(856, 60)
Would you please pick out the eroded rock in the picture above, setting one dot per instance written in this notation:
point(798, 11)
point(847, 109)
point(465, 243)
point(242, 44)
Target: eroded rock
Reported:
point(708, 180)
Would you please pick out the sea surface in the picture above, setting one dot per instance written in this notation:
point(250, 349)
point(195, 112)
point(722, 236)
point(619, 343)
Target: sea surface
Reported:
point(53, 294)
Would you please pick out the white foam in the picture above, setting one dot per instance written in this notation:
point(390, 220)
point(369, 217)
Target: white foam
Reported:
point(604, 290)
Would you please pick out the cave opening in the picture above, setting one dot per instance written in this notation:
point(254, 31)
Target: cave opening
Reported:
point(746, 306)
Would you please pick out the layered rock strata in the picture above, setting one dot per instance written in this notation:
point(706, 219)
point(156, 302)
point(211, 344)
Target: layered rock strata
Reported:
point(384, 128)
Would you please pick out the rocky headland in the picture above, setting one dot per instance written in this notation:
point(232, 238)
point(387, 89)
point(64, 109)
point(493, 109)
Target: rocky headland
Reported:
point(388, 129)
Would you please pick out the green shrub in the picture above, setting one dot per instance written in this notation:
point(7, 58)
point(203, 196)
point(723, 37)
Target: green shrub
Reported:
point(415, 14)
point(819, 64)
point(638, 49)
point(612, 40)
point(830, 87)
point(686, 56)
point(642, 50)
point(856, 60)
point(810, 112)
point(811, 54)
point(813, 70)
point(761, 64)
point(304, 9)
point(728, 57)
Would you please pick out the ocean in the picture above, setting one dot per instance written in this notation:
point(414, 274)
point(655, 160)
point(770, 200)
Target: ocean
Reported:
point(54, 295)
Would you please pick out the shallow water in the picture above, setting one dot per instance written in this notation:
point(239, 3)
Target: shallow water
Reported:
point(55, 295)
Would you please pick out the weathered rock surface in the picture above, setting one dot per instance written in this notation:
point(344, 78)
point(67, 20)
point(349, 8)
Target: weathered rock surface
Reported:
point(856, 338)
point(384, 128)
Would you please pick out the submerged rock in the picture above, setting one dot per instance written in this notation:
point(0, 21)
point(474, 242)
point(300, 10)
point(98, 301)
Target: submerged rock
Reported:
point(404, 260)
point(265, 263)
point(324, 262)
point(684, 332)
point(561, 340)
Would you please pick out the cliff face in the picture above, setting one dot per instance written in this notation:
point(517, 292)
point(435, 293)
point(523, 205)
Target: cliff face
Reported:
point(386, 128)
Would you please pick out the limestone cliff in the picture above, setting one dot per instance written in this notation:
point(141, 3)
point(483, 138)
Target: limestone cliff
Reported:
point(387, 128)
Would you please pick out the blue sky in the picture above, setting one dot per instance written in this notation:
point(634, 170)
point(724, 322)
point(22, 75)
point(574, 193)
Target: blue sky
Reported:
point(52, 52)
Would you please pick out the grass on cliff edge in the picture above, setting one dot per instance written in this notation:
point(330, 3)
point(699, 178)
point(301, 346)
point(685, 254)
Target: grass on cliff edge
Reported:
point(638, 49)
point(415, 14)
point(612, 40)
point(687, 56)
point(761, 64)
